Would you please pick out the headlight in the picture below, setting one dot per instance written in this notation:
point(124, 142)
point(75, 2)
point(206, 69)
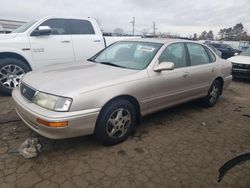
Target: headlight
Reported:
point(52, 102)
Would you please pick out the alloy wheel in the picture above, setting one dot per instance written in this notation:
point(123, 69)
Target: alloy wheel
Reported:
point(214, 93)
point(118, 123)
point(10, 75)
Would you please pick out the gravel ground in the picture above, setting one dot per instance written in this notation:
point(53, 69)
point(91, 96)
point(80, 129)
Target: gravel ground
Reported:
point(180, 147)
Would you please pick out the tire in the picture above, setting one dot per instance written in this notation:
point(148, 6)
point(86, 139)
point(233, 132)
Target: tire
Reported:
point(11, 71)
point(213, 94)
point(115, 122)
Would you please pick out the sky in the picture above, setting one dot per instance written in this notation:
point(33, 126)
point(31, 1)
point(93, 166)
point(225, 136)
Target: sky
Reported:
point(171, 16)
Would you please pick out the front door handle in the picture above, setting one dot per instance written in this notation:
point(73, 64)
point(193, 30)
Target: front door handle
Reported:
point(186, 74)
point(65, 41)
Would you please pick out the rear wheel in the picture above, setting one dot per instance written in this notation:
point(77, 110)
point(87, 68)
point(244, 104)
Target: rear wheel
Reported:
point(213, 94)
point(11, 71)
point(115, 122)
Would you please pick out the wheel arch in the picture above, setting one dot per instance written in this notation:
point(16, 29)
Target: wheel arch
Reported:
point(129, 98)
point(221, 80)
point(16, 56)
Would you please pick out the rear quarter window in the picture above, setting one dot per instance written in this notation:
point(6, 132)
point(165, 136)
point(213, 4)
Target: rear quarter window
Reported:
point(211, 55)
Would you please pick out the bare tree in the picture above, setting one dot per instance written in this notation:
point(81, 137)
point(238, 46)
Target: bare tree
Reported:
point(203, 36)
point(145, 32)
point(210, 35)
point(236, 32)
point(195, 36)
point(118, 31)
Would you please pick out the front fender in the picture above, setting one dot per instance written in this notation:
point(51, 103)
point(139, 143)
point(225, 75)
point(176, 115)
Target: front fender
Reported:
point(24, 53)
point(98, 98)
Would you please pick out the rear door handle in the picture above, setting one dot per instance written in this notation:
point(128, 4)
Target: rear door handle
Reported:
point(65, 41)
point(186, 74)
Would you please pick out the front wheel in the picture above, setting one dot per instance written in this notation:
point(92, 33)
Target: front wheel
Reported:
point(213, 94)
point(11, 71)
point(115, 122)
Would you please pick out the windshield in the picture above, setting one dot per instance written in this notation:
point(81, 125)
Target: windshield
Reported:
point(131, 55)
point(246, 52)
point(24, 27)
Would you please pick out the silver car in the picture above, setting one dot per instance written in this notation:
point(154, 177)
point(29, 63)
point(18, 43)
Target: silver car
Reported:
point(107, 95)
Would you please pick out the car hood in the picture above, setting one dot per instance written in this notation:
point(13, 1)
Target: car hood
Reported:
point(240, 59)
point(7, 36)
point(65, 79)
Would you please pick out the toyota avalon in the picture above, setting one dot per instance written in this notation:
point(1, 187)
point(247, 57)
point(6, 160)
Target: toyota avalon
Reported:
point(108, 94)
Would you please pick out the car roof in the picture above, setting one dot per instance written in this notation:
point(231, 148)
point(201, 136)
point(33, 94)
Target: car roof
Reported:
point(158, 40)
point(67, 17)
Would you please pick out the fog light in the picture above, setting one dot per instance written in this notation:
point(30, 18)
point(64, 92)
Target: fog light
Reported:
point(52, 124)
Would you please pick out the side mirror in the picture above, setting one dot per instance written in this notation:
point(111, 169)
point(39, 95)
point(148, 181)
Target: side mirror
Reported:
point(235, 54)
point(164, 66)
point(42, 30)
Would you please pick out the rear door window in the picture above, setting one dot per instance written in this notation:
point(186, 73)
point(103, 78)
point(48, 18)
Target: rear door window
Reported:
point(198, 54)
point(80, 27)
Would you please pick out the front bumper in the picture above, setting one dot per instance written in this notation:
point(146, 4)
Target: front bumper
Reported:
point(79, 122)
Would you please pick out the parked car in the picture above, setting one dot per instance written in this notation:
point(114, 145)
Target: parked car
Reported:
point(226, 50)
point(110, 92)
point(241, 65)
point(50, 40)
point(214, 49)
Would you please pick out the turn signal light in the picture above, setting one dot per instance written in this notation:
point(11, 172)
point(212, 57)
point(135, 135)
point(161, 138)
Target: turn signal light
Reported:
point(52, 124)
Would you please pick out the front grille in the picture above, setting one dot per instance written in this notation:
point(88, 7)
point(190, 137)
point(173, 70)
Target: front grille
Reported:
point(241, 66)
point(27, 91)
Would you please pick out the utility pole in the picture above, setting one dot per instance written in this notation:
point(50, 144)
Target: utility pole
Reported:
point(133, 24)
point(154, 29)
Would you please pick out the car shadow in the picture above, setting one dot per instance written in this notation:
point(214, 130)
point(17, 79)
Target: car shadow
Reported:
point(89, 142)
point(172, 113)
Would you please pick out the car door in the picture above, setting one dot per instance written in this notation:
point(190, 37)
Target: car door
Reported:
point(86, 42)
point(53, 48)
point(202, 69)
point(171, 86)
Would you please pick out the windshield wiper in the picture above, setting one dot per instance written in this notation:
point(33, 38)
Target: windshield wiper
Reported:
point(111, 64)
point(91, 60)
